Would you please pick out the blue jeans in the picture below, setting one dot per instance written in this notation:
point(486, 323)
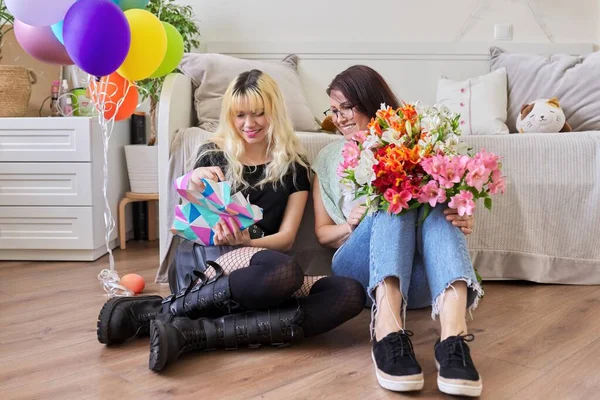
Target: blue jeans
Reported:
point(426, 259)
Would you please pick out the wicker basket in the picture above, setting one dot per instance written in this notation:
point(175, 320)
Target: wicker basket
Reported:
point(15, 90)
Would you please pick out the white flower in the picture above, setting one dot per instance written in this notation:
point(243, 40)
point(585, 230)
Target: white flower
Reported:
point(364, 173)
point(371, 140)
point(392, 136)
point(462, 149)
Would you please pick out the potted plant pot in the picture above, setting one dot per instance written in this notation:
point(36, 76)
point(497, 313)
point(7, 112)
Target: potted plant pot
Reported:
point(142, 167)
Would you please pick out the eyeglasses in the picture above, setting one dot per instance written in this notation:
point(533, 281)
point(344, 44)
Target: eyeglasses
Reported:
point(346, 112)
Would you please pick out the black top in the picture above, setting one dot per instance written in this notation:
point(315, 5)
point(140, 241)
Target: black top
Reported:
point(271, 198)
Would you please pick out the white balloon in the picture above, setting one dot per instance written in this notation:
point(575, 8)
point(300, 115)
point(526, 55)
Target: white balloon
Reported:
point(39, 12)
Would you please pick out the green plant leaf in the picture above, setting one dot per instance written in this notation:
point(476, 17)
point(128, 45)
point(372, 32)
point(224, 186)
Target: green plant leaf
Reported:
point(488, 203)
point(183, 19)
point(426, 210)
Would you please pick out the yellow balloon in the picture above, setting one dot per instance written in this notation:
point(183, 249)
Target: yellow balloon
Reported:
point(148, 45)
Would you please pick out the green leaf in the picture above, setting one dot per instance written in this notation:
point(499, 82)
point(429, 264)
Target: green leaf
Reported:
point(183, 19)
point(488, 203)
point(426, 210)
point(479, 280)
point(414, 205)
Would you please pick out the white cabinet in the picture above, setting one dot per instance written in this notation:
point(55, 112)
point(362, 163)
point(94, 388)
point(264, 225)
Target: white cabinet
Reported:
point(51, 183)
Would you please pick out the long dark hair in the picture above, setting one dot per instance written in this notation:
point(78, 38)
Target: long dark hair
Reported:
point(364, 88)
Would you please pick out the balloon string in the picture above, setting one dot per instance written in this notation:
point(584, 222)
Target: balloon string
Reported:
point(100, 93)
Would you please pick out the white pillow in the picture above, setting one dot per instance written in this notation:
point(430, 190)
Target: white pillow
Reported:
point(481, 102)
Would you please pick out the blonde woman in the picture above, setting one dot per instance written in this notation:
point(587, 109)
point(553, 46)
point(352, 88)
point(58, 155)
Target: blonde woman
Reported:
point(216, 287)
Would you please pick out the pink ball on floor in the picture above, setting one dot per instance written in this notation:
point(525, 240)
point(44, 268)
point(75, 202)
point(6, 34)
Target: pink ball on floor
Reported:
point(133, 282)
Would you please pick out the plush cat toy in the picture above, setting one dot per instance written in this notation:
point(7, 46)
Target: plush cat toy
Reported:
point(542, 116)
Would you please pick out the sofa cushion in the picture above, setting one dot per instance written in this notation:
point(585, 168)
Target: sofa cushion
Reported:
point(572, 79)
point(480, 101)
point(212, 74)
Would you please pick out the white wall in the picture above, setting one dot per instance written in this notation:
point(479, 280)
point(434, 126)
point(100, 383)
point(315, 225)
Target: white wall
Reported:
point(396, 20)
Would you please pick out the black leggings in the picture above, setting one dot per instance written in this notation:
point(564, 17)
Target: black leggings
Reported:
point(271, 278)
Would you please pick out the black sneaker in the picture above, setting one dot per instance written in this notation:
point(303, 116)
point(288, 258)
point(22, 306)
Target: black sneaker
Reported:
point(396, 367)
point(456, 372)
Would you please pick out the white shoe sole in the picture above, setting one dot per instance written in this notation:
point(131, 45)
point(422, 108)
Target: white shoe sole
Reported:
point(454, 387)
point(402, 384)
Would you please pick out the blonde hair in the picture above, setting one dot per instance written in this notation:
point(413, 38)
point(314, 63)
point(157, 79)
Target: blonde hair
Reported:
point(256, 91)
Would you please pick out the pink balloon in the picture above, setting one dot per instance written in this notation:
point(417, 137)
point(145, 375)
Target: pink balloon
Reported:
point(40, 43)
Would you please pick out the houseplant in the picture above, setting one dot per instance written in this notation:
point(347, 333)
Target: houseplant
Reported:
point(181, 17)
point(142, 160)
point(6, 21)
point(15, 81)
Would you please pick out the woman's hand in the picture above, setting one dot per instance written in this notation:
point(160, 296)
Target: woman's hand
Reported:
point(232, 237)
point(356, 215)
point(212, 173)
point(466, 223)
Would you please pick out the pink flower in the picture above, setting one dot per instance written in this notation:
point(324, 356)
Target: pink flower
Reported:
point(463, 202)
point(350, 152)
point(460, 164)
point(434, 165)
point(478, 175)
point(431, 193)
point(498, 182)
point(341, 169)
point(398, 200)
point(451, 174)
point(360, 136)
point(489, 160)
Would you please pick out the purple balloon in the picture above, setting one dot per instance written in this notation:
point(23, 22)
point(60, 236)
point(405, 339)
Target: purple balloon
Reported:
point(97, 36)
point(40, 43)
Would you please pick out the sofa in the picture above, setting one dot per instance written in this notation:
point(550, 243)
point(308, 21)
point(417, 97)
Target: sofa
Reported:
point(545, 227)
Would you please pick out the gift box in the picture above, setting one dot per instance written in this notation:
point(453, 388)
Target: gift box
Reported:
point(199, 212)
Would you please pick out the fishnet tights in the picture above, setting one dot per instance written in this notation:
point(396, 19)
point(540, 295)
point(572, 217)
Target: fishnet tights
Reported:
point(309, 281)
point(332, 301)
point(240, 258)
point(235, 259)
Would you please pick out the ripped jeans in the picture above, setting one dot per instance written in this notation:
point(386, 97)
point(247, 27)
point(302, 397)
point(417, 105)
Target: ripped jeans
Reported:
point(426, 259)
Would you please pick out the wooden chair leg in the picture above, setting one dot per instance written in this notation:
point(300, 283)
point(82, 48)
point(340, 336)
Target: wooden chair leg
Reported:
point(122, 221)
point(152, 213)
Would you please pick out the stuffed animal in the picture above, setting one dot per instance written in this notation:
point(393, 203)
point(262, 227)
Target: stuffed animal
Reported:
point(327, 125)
point(542, 116)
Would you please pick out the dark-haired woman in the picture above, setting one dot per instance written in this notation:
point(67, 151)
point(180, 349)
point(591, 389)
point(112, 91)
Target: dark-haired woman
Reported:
point(399, 264)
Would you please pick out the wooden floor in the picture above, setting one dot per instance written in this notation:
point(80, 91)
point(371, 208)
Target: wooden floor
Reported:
point(532, 342)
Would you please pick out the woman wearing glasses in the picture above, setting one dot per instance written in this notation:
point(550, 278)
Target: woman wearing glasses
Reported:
point(399, 265)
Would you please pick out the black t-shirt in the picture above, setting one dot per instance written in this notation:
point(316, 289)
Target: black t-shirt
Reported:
point(271, 198)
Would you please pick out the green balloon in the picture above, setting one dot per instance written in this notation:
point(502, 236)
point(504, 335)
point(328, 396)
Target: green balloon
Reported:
point(174, 52)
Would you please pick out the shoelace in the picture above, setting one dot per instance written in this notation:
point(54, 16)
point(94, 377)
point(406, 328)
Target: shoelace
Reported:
point(455, 349)
point(401, 344)
point(194, 340)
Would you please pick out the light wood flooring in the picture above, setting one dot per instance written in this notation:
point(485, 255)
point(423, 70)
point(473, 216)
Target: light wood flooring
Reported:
point(532, 342)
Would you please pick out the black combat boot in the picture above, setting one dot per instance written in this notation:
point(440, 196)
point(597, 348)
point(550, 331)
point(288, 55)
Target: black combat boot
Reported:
point(122, 318)
point(169, 338)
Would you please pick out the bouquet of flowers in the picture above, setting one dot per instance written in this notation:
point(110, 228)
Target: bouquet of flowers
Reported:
point(412, 157)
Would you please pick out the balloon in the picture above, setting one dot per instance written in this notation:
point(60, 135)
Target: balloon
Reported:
point(39, 12)
point(133, 282)
point(148, 45)
point(40, 43)
point(97, 36)
point(110, 90)
point(57, 29)
point(174, 51)
point(129, 4)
